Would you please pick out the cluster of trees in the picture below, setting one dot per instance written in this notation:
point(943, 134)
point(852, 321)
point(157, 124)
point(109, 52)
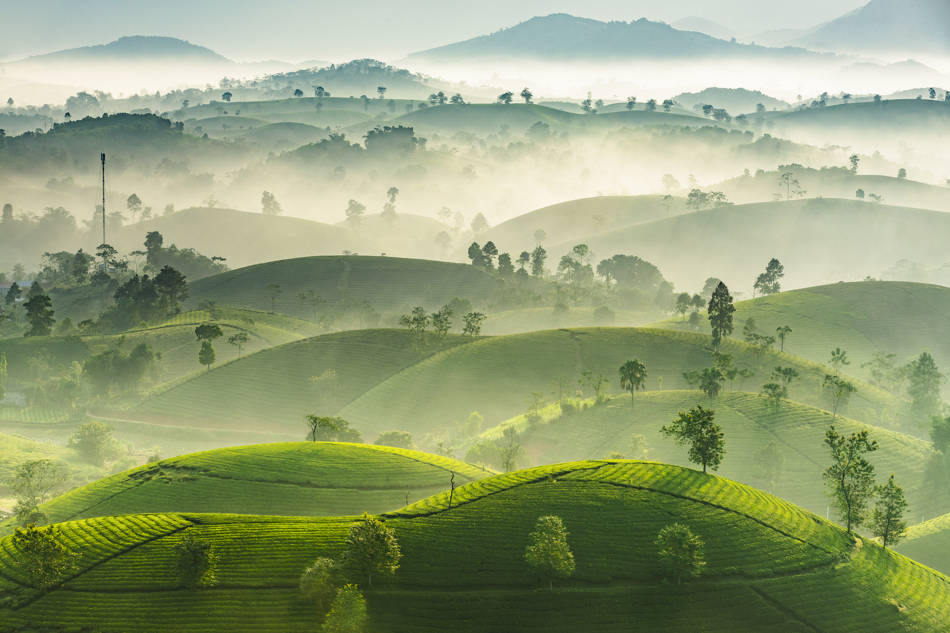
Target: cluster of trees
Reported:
point(418, 321)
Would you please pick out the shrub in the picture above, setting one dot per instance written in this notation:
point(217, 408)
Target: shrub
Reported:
point(197, 562)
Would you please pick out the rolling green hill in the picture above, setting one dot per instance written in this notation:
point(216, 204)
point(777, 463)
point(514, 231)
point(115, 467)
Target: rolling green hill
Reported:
point(769, 564)
point(250, 238)
point(929, 542)
point(271, 391)
point(865, 317)
point(819, 241)
point(577, 219)
point(299, 478)
point(750, 424)
point(388, 284)
point(448, 386)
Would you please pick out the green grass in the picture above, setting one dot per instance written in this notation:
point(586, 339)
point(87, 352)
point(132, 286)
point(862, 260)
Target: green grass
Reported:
point(749, 422)
point(450, 385)
point(901, 318)
point(274, 389)
point(929, 542)
point(389, 284)
point(532, 319)
point(15, 450)
point(299, 478)
point(771, 566)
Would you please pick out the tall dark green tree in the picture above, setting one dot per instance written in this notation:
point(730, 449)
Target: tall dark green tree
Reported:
point(40, 315)
point(887, 518)
point(172, 289)
point(720, 312)
point(850, 477)
point(923, 388)
point(371, 548)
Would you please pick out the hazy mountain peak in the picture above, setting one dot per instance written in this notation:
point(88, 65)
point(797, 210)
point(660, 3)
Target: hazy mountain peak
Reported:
point(136, 47)
point(888, 25)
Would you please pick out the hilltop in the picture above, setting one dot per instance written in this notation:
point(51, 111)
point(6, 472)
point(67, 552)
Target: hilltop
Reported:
point(386, 284)
point(767, 561)
point(249, 238)
point(750, 423)
point(511, 368)
point(819, 241)
point(576, 219)
point(562, 36)
point(901, 26)
point(300, 478)
point(140, 48)
point(735, 100)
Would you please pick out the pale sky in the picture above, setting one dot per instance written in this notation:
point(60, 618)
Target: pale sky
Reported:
point(295, 30)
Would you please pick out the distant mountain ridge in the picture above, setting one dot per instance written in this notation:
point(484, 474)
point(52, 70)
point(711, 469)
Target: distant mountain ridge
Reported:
point(887, 25)
point(133, 48)
point(562, 36)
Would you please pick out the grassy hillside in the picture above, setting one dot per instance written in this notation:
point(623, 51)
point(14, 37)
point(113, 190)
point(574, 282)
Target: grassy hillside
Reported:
point(819, 241)
point(300, 478)
point(450, 385)
point(929, 542)
point(837, 183)
point(750, 424)
point(533, 319)
point(250, 238)
point(576, 219)
point(272, 390)
point(768, 563)
point(388, 284)
point(864, 317)
point(174, 339)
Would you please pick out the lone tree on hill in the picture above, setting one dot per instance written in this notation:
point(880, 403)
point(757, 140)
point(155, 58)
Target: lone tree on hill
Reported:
point(923, 387)
point(347, 612)
point(839, 359)
point(548, 551)
point(720, 312)
point(840, 390)
point(206, 355)
point(782, 332)
point(43, 556)
point(206, 333)
point(371, 547)
point(887, 518)
point(506, 97)
point(527, 95)
point(197, 562)
point(269, 204)
point(33, 483)
point(633, 376)
point(769, 282)
point(473, 324)
point(681, 552)
point(239, 340)
point(697, 428)
point(850, 478)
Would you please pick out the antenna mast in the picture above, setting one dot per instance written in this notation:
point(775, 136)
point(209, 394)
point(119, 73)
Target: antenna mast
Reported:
point(103, 158)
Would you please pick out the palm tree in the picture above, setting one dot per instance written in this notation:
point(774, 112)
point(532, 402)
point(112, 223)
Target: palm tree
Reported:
point(633, 376)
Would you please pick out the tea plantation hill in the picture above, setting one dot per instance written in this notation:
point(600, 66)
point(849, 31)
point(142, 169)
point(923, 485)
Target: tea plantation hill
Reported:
point(819, 241)
point(390, 285)
point(576, 219)
point(298, 478)
point(771, 566)
point(863, 318)
point(929, 542)
point(271, 391)
point(448, 386)
point(750, 423)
